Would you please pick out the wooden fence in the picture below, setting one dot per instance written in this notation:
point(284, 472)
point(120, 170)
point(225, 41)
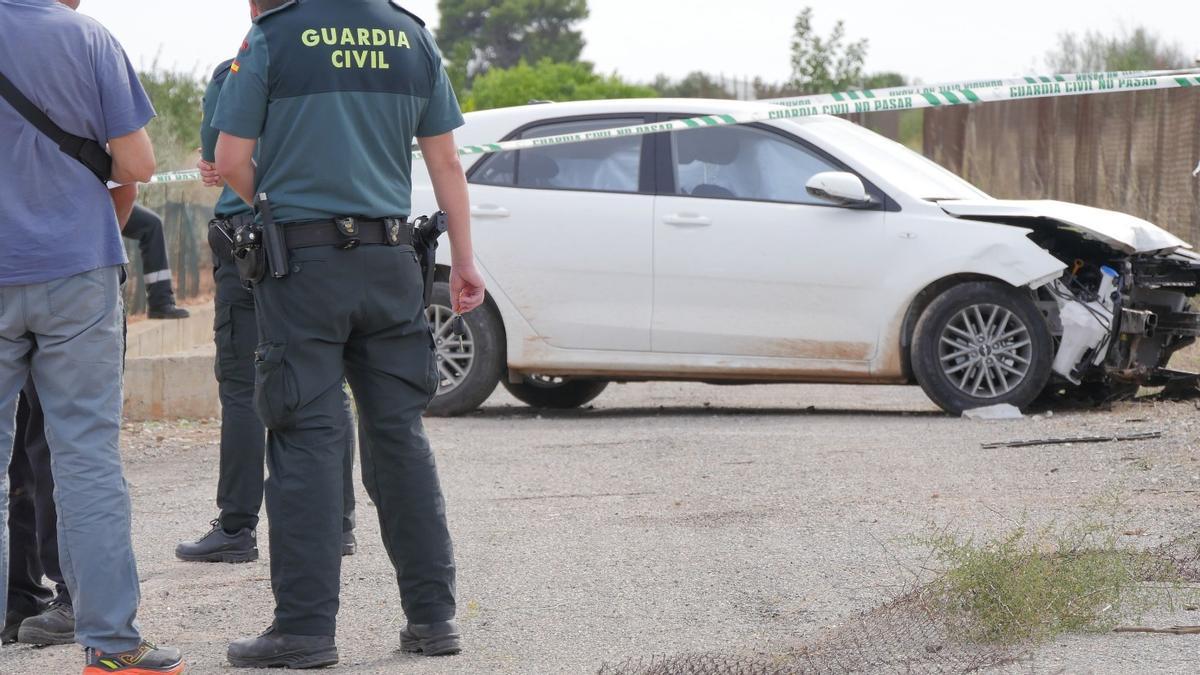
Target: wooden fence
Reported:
point(1130, 152)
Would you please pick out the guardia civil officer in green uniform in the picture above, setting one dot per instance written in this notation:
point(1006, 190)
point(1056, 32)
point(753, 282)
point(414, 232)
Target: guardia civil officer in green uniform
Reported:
point(334, 91)
point(232, 536)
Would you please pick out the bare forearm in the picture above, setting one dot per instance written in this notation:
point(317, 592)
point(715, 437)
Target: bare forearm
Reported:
point(235, 163)
point(450, 188)
point(123, 199)
point(241, 181)
point(132, 158)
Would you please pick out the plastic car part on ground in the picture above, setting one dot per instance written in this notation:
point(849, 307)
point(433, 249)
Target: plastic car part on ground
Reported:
point(1003, 411)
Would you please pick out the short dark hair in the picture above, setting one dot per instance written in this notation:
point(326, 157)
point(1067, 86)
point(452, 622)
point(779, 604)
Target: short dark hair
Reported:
point(268, 5)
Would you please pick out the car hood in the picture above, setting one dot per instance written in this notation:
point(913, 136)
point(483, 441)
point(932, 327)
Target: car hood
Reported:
point(1123, 232)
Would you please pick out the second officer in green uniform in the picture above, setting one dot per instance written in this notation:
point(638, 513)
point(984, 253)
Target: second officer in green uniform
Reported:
point(334, 92)
point(243, 438)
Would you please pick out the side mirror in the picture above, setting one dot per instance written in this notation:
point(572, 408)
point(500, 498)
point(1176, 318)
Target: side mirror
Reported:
point(839, 187)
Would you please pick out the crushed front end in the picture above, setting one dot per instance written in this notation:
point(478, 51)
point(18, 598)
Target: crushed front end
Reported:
point(1118, 319)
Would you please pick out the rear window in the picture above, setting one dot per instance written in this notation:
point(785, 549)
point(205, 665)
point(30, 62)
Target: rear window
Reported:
point(597, 166)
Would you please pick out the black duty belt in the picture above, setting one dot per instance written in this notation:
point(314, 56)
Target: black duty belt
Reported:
point(221, 230)
point(348, 233)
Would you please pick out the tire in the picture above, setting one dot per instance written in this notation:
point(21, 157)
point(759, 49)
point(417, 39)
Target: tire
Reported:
point(556, 394)
point(961, 372)
point(458, 395)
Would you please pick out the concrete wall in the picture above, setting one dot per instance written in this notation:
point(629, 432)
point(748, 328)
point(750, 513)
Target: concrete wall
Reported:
point(169, 369)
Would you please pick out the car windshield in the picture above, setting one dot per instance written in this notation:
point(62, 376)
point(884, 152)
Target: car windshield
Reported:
point(907, 170)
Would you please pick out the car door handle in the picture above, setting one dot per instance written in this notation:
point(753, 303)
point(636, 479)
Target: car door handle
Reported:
point(489, 211)
point(688, 220)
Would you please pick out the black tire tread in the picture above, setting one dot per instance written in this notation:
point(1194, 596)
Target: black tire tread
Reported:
point(566, 396)
point(925, 358)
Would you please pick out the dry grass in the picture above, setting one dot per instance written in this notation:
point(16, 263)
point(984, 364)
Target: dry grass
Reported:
point(991, 602)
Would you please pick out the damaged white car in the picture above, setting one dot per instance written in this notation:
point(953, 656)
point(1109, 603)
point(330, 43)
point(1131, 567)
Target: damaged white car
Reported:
point(791, 251)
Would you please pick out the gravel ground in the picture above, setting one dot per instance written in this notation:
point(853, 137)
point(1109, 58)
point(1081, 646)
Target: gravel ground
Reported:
point(675, 518)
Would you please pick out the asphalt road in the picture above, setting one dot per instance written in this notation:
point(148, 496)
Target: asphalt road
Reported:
point(673, 518)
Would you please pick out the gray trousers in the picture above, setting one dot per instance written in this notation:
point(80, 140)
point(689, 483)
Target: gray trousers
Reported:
point(67, 334)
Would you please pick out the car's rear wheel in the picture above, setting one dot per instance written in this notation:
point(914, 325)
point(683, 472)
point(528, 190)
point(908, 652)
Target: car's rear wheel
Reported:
point(981, 344)
point(558, 393)
point(470, 367)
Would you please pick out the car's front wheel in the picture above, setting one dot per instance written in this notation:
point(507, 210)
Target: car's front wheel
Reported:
point(557, 393)
point(469, 366)
point(981, 344)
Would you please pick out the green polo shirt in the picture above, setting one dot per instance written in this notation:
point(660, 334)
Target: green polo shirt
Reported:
point(229, 204)
point(335, 91)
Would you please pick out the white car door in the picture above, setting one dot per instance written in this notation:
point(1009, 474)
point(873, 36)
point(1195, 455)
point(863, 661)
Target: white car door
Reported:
point(567, 233)
point(748, 264)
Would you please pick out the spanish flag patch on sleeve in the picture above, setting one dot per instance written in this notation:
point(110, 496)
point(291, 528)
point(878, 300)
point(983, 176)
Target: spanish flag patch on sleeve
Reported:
point(235, 67)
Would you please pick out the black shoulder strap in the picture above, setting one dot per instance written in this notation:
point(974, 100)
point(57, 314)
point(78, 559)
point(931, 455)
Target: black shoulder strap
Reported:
point(88, 152)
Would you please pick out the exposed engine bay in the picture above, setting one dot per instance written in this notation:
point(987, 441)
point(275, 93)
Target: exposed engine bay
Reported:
point(1119, 319)
point(1123, 305)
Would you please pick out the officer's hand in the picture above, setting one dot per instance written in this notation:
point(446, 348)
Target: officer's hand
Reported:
point(208, 174)
point(466, 288)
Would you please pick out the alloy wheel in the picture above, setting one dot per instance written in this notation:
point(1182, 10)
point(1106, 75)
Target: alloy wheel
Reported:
point(455, 355)
point(986, 351)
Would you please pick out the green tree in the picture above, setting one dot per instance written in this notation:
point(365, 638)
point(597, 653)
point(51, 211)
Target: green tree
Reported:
point(821, 65)
point(177, 99)
point(547, 81)
point(694, 85)
point(478, 35)
point(765, 90)
point(884, 81)
point(1091, 52)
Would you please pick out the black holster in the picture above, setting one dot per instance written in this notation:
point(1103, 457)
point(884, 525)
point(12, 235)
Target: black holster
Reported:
point(221, 232)
point(426, 231)
point(271, 236)
point(249, 254)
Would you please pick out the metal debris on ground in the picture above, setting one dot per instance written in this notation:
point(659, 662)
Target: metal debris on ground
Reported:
point(1119, 438)
point(1173, 630)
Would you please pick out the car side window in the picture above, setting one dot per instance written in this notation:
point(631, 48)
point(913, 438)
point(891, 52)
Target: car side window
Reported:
point(744, 163)
point(612, 165)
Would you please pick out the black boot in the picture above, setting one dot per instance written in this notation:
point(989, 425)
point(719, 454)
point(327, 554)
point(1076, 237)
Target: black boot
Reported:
point(167, 312)
point(55, 626)
point(273, 649)
point(220, 546)
point(12, 623)
point(349, 543)
point(160, 298)
point(431, 639)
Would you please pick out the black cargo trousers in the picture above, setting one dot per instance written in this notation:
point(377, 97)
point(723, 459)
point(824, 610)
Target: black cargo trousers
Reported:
point(146, 227)
point(243, 436)
point(357, 314)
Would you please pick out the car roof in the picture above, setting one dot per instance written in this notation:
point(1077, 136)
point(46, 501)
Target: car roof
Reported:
point(699, 106)
point(491, 126)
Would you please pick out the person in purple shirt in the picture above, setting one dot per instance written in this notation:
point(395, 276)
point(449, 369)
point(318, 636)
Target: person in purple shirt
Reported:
point(60, 315)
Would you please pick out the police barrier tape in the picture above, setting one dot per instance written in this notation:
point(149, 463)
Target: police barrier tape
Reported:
point(844, 103)
point(918, 89)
